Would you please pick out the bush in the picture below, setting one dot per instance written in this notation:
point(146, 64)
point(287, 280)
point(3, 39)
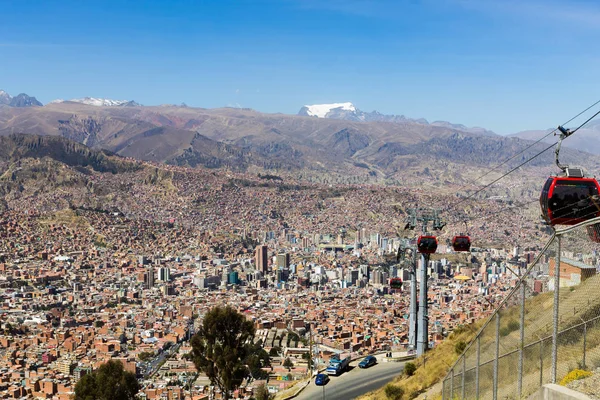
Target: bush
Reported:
point(458, 330)
point(262, 393)
point(459, 347)
point(575, 375)
point(511, 327)
point(409, 369)
point(393, 392)
point(274, 352)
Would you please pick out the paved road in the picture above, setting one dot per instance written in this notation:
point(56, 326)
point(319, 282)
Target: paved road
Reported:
point(154, 364)
point(353, 383)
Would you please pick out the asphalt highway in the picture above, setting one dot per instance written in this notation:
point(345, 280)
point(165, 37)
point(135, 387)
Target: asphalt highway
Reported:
point(353, 383)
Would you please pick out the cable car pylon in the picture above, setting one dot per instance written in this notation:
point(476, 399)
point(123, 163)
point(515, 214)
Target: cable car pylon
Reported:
point(408, 254)
point(426, 245)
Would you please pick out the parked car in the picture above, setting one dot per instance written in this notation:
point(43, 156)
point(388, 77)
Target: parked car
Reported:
point(321, 379)
point(367, 362)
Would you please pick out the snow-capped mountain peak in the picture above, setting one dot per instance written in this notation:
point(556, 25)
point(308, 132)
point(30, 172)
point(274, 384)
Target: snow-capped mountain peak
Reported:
point(93, 101)
point(321, 110)
point(348, 112)
point(5, 98)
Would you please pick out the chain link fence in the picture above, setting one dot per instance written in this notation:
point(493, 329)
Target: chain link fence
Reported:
point(547, 325)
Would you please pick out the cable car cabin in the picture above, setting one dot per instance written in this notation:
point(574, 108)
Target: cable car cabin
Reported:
point(427, 244)
point(568, 200)
point(461, 243)
point(396, 283)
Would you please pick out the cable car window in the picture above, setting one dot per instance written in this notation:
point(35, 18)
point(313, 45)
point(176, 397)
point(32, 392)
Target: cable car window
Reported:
point(544, 197)
point(571, 199)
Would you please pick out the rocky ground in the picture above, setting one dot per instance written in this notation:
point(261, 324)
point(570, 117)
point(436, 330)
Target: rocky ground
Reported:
point(590, 386)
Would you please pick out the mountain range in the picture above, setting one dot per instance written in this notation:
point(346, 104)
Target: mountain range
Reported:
point(329, 143)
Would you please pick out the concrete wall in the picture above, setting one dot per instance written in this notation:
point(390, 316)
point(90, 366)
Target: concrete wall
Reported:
point(557, 392)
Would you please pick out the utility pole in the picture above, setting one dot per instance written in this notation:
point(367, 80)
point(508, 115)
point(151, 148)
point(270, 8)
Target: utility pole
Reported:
point(310, 353)
point(423, 216)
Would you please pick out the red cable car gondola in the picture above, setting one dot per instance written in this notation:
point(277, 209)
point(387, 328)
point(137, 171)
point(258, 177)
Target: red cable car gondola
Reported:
point(461, 243)
point(569, 200)
point(427, 244)
point(396, 283)
point(572, 197)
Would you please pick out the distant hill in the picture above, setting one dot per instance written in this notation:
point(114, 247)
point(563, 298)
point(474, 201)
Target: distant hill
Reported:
point(20, 146)
point(586, 139)
point(405, 152)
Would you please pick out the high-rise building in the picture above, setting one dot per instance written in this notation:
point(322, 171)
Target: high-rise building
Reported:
point(305, 243)
point(164, 274)
point(66, 366)
point(363, 271)
point(149, 278)
point(233, 278)
point(283, 260)
point(261, 259)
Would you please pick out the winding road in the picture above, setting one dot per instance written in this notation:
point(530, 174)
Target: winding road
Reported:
point(353, 383)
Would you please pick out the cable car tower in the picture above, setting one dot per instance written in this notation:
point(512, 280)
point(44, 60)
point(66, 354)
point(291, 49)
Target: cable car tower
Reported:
point(426, 245)
point(407, 254)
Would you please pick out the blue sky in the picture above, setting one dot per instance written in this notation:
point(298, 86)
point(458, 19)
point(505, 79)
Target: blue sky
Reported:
point(506, 65)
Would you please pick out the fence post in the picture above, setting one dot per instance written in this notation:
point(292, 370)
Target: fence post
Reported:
point(541, 362)
point(584, 342)
point(495, 389)
point(556, 306)
point(477, 368)
point(522, 339)
point(462, 393)
point(444, 388)
point(451, 383)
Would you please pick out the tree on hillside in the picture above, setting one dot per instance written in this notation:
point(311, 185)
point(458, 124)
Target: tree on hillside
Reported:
point(288, 363)
point(256, 360)
point(221, 346)
point(109, 382)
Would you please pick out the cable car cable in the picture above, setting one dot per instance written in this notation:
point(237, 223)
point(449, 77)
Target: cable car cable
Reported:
point(521, 205)
point(534, 143)
point(520, 165)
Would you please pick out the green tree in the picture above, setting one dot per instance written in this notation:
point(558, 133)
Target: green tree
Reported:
point(109, 382)
point(145, 355)
point(288, 363)
point(221, 346)
point(257, 359)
